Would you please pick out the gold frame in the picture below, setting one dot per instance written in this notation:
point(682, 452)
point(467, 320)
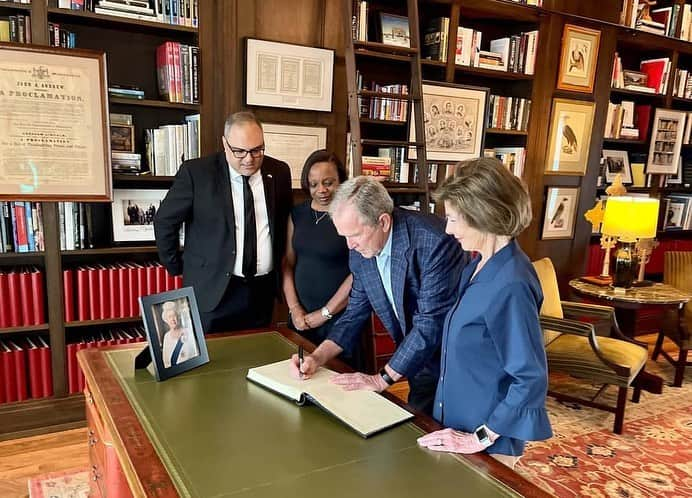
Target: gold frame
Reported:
point(593, 36)
point(571, 215)
point(556, 165)
point(63, 153)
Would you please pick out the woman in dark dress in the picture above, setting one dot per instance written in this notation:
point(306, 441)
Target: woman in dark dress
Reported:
point(316, 277)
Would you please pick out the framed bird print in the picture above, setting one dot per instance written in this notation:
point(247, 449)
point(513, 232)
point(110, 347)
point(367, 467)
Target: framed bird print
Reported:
point(560, 212)
point(570, 137)
point(578, 59)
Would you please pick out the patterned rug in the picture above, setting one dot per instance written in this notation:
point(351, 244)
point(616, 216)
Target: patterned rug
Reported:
point(653, 456)
point(67, 484)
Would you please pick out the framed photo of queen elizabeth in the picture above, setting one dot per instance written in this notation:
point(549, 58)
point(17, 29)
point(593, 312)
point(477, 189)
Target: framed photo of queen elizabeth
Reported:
point(174, 332)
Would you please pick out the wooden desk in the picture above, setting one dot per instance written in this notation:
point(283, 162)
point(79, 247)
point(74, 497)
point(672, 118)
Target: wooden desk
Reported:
point(209, 432)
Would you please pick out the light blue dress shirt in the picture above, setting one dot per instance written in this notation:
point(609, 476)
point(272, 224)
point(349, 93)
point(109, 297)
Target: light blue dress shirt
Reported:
point(384, 266)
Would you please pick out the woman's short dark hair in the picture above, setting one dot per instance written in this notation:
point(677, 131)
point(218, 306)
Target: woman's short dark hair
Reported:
point(488, 196)
point(321, 156)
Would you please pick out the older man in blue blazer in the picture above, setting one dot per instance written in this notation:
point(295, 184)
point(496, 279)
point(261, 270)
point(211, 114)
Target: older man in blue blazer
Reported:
point(407, 270)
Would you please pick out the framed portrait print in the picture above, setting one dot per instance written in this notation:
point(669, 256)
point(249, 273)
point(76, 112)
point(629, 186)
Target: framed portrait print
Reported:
point(570, 137)
point(290, 76)
point(578, 58)
point(122, 138)
point(54, 136)
point(174, 332)
point(560, 213)
point(133, 212)
point(394, 30)
point(617, 162)
point(666, 141)
point(453, 120)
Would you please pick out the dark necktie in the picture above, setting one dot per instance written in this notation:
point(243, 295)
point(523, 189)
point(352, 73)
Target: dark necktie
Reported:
point(250, 250)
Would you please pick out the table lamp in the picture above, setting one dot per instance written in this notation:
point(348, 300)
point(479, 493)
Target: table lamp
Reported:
point(629, 219)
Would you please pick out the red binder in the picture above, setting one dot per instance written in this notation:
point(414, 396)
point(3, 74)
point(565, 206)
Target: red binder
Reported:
point(68, 294)
point(46, 367)
point(80, 375)
point(104, 285)
point(151, 279)
point(19, 370)
point(5, 309)
point(160, 278)
point(133, 283)
point(124, 288)
point(83, 312)
point(141, 286)
point(9, 376)
point(38, 296)
point(34, 357)
point(26, 299)
point(170, 281)
point(178, 281)
point(114, 291)
point(14, 299)
point(94, 293)
point(72, 369)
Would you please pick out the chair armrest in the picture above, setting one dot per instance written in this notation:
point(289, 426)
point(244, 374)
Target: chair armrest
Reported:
point(574, 310)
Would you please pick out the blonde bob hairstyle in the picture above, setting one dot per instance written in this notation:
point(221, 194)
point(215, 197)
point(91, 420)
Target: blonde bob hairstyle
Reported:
point(488, 196)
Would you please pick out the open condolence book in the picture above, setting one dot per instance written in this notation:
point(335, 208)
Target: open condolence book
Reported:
point(366, 412)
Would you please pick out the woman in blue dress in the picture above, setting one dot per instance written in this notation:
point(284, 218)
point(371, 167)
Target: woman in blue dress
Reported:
point(493, 378)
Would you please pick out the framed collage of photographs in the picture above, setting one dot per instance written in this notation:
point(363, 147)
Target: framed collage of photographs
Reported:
point(560, 212)
point(290, 76)
point(570, 137)
point(453, 120)
point(578, 59)
point(617, 162)
point(174, 332)
point(666, 141)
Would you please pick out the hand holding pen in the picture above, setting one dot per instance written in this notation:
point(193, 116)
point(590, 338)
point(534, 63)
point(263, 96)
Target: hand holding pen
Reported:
point(302, 365)
point(300, 361)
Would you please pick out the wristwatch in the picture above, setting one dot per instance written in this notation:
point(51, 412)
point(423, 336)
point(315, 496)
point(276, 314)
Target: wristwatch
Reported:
point(483, 436)
point(326, 313)
point(386, 377)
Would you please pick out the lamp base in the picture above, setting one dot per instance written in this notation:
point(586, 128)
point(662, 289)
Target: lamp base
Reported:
point(642, 283)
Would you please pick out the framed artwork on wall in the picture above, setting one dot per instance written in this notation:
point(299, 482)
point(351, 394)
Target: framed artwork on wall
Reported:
point(290, 76)
point(570, 137)
point(617, 161)
point(560, 213)
point(666, 141)
point(293, 144)
point(453, 120)
point(578, 58)
point(394, 30)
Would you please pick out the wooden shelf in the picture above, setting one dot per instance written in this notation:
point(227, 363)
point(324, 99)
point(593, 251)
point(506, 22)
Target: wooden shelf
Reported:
point(110, 250)
point(491, 73)
point(155, 179)
point(388, 122)
point(635, 93)
point(432, 63)
point(385, 95)
point(153, 103)
point(396, 188)
point(500, 131)
point(21, 255)
point(42, 327)
point(384, 48)
point(390, 143)
point(86, 17)
point(503, 10)
point(110, 321)
point(646, 41)
point(682, 100)
point(625, 141)
point(16, 5)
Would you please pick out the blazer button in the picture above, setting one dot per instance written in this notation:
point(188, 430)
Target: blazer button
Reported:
point(228, 273)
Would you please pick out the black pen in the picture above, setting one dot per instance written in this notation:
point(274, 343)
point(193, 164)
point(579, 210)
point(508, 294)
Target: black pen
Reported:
point(300, 361)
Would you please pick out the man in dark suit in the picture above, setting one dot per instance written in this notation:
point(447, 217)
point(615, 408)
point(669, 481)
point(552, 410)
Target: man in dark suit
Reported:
point(406, 269)
point(235, 208)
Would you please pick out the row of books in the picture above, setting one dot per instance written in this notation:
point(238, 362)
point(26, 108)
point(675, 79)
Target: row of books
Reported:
point(179, 12)
point(61, 37)
point(677, 211)
point(15, 29)
point(25, 364)
point(682, 86)
point(516, 54)
point(21, 226)
point(509, 113)
point(22, 301)
point(384, 108)
point(126, 335)
point(627, 120)
point(434, 44)
point(167, 146)
point(652, 76)
point(102, 292)
point(77, 227)
point(177, 70)
point(513, 158)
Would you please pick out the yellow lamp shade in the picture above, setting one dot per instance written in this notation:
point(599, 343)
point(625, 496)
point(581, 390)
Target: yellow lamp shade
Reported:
point(630, 218)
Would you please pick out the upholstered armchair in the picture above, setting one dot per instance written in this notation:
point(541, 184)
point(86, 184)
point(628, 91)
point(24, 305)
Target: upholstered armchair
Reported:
point(584, 341)
point(677, 271)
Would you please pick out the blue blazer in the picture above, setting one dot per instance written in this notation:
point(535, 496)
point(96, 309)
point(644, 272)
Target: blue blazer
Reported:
point(426, 267)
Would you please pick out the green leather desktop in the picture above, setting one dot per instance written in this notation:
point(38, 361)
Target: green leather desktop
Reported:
point(218, 435)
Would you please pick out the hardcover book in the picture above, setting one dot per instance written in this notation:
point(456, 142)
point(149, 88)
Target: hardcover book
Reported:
point(365, 412)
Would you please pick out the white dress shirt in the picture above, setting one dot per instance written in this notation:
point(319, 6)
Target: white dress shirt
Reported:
point(264, 242)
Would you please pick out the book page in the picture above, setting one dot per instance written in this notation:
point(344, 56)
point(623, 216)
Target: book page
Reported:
point(365, 411)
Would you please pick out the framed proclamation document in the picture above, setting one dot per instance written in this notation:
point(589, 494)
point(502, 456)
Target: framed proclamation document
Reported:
point(293, 144)
point(54, 135)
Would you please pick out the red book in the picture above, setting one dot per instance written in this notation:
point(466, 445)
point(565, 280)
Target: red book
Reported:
point(151, 279)
point(68, 294)
point(9, 376)
point(657, 70)
point(642, 118)
point(46, 368)
point(94, 293)
point(132, 276)
point(160, 278)
point(19, 371)
point(83, 312)
point(114, 291)
point(104, 286)
point(26, 299)
point(34, 357)
point(80, 375)
point(124, 287)
point(38, 295)
point(170, 281)
point(178, 281)
point(141, 284)
point(14, 299)
point(5, 309)
point(72, 369)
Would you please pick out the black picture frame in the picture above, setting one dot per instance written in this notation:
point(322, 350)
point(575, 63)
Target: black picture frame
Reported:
point(193, 348)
